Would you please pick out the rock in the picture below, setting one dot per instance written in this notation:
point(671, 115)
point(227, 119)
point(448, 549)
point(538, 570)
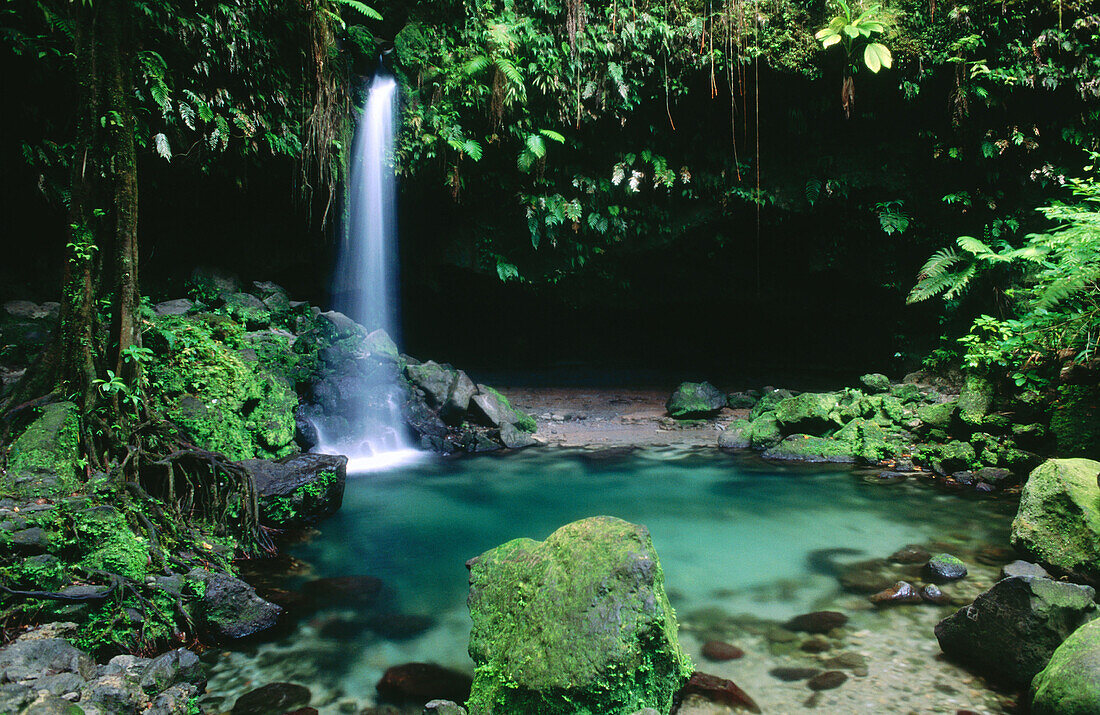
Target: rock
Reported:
point(1070, 683)
point(272, 698)
point(214, 282)
point(791, 674)
point(848, 661)
point(230, 609)
point(43, 460)
point(741, 400)
point(721, 651)
point(938, 415)
point(494, 410)
point(866, 577)
point(807, 413)
point(945, 567)
point(246, 306)
point(765, 432)
point(176, 700)
point(931, 592)
point(179, 306)
point(948, 458)
point(298, 490)
point(695, 400)
point(911, 554)
point(828, 680)
point(434, 379)
point(718, 690)
point(1011, 630)
point(1023, 568)
point(875, 382)
point(1075, 419)
point(995, 476)
point(177, 666)
point(817, 644)
point(342, 324)
point(380, 345)
point(578, 621)
point(900, 592)
point(514, 438)
point(975, 399)
point(736, 436)
point(817, 622)
point(453, 410)
point(25, 659)
point(1058, 522)
point(306, 435)
point(805, 448)
point(443, 707)
point(419, 683)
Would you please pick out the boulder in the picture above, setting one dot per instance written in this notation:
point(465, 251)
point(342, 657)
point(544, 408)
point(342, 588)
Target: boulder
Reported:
point(298, 490)
point(975, 398)
point(272, 698)
point(230, 609)
point(493, 409)
point(938, 415)
point(171, 668)
point(875, 382)
point(1058, 522)
point(1070, 683)
point(1020, 567)
point(341, 324)
point(434, 379)
point(43, 460)
point(736, 436)
point(1075, 420)
point(805, 448)
point(453, 410)
point(381, 346)
point(419, 683)
point(765, 432)
point(514, 438)
point(1011, 630)
point(806, 413)
point(695, 400)
point(577, 623)
point(179, 306)
point(37, 657)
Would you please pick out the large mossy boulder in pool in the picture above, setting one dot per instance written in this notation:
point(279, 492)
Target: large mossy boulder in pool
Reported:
point(298, 490)
point(695, 400)
point(1058, 521)
point(806, 413)
point(42, 461)
point(1070, 684)
point(578, 623)
point(1011, 630)
point(807, 448)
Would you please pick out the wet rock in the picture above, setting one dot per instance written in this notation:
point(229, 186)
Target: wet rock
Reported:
point(1058, 522)
point(817, 644)
point(741, 400)
point(828, 680)
point(341, 324)
point(298, 490)
point(911, 554)
point(443, 707)
point(866, 577)
point(514, 438)
point(1023, 568)
point(176, 700)
point(718, 690)
point(736, 436)
point(230, 608)
point(272, 698)
point(817, 621)
point(847, 661)
point(453, 410)
point(419, 683)
point(945, 567)
point(932, 593)
point(695, 400)
point(807, 448)
point(791, 674)
point(25, 659)
point(1011, 630)
point(720, 650)
point(888, 477)
point(179, 306)
point(434, 379)
point(593, 591)
point(168, 669)
point(996, 476)
point(1070, 682)
point(900, 592)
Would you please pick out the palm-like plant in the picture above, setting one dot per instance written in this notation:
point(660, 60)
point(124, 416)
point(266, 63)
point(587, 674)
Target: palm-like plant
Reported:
point(853, 33)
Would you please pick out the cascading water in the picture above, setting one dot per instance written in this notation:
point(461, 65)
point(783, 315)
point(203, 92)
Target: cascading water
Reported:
point(371, 429)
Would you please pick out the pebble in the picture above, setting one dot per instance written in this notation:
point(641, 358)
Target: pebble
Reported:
point(827, 681)
point(817, 644)
point(720, 651)
point(900, 592)
point(791, 674)
point(817, 622)
point(945, 567)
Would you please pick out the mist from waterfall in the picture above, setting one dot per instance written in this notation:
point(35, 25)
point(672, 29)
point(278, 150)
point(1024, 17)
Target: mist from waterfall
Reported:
point(366, 289)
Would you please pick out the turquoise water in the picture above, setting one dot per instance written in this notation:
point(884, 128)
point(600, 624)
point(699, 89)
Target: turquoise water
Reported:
point(732, 532)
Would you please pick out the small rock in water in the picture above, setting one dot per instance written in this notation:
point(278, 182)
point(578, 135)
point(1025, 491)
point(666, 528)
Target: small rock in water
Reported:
point(866, 577)
point(995, 555)
point(900, 592)
point(817, 622)
point(719, 651)
point(817, 644)
point(1020, 567)
point(911, 554)
point(848, 661)
point(718, 690)
point(274, 697)
point(945, 567)
point(789, 675)
point(827, 681)
point(443, 707)
point(420, 682)
point(888, 477)
point(932, 593)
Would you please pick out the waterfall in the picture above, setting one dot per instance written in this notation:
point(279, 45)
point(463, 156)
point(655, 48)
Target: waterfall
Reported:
point(371, 428)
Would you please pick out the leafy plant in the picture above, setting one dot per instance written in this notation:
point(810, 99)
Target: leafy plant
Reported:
point(854, 33)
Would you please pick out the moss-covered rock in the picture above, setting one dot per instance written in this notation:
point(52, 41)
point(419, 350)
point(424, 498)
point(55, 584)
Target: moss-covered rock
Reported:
point(298, 490)
point(109, 543)
point(495, 410)
point(1075, 421)
point(975, 398)
point(576, 624)
point(807, 448)
point(938, 415)
point(1070, 684)
point(220, 399)
point(947, 458)
point(875, 382)
point(768, 402)
point(43, 460)
point(765, 432)
point(1058, 521)
point(736, 436)
point(694, 400)
point(807, 413)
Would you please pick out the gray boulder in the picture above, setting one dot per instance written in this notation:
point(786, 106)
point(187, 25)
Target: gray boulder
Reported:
point(179, 306)
point(694, 400)
point(35, 658)
point(230, 609)
point(298, 490)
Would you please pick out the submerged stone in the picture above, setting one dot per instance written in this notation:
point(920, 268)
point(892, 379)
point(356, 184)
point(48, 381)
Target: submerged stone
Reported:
point(1070, 683)
point(693, 400)
point(272, 698)
point(720, 651)
point(719, 690)
point(828, 680)
point(817, 622)
point(578, 623)
point(418, 683)
point(1058, 522)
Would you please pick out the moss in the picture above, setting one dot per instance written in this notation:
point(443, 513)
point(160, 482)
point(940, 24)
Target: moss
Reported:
point(43, 460)
point(221, 401)
point(806, 448)
point(1075, 421)
point(766, 432)
point(109, 544)
point(1070, 683)
point(808, 412)
point(937, 416)
point(523, 421)
point(285, 509)
point(975, 399)
point(1058, 521)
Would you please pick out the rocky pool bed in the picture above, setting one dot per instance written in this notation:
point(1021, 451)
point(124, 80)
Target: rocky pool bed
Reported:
point(748, 549)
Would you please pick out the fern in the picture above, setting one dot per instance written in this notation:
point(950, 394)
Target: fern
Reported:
point(364, 10)
point(163, 149)
point(940, 261)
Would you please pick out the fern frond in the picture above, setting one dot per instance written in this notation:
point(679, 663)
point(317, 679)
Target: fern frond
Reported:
point(978, 248)
point(364, 10)
point(930, 287)
point(509, 69)
point(476, 65)
point(960, 281)
point(938, 264)
point(536, 145)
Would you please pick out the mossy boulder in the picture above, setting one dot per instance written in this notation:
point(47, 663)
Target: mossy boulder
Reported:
point(807, 448)
point(765, 432)
point(43, 460)
point(975, 398)
point(1070, 684)
point(695, 400)
point(576, 624)
point(736, 436)
point(938, 415)
point(1058, 521)
point(807, 413)
point(875, 382)
point(1075, 421)
point(1011, 630)
point(768, 402)
point(949, 457)
point(494, 410)
point(298, 490)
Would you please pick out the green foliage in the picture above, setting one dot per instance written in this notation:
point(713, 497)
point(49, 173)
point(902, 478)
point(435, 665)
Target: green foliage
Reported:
point(854, 31)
